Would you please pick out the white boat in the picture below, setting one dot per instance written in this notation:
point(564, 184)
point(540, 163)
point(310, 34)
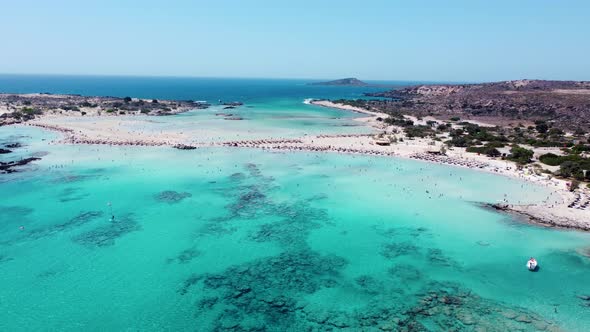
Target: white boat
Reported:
point(531, 264)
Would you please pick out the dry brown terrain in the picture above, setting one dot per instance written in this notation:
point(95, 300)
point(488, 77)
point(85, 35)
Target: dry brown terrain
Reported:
point(564, 103)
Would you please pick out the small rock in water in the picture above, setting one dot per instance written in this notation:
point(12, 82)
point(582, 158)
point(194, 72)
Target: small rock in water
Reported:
point(13, 145)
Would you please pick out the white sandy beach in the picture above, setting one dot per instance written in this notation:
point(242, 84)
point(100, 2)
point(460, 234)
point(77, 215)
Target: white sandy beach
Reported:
point(108, 130)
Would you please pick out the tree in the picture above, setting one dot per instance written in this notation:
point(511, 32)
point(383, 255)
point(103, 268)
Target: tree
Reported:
point(154, 101)
point(127, 99)
point(579, 132)
point(493, 152)
point(541, 126)
point(520, 155)
point(571, 169)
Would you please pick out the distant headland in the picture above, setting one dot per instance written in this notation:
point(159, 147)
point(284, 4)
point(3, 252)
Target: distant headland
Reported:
point(351, 81)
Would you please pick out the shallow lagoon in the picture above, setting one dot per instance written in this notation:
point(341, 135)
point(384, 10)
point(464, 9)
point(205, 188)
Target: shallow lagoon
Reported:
point(218, 238)
point(279, 119)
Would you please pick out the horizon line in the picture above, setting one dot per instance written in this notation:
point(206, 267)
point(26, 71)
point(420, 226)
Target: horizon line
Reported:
point(248, 77)
point(312, 80)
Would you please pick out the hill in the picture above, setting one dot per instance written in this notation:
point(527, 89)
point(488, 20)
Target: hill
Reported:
point(351, 81)
point(564, 103)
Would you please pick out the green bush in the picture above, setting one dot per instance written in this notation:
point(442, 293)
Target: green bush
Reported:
point(555, 160)
point(580, 148)
point(487, 150)
point(520, 155)
point(575, 169)
point(541, 127)
point(459, 141)
point(551, 159)
point(401, 122)
point(31, 111)
point(418, 131)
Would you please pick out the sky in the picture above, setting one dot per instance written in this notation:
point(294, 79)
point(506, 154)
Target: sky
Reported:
point(466, 40)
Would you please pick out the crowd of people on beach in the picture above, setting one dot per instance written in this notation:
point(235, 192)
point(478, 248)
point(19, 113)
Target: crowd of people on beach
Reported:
point(71, 138)
point(343, 135)
point(52, 127)
point(258, 143)
point(328, 148)
point(121, 143)
point(299, 145)
point(439, 158)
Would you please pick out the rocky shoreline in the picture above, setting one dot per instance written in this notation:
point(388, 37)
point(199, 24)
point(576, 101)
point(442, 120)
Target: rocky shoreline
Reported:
point(538, 215)
point(19, 108)
point(7, 167)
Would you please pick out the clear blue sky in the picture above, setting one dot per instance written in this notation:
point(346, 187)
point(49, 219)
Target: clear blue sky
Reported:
point(391, 40)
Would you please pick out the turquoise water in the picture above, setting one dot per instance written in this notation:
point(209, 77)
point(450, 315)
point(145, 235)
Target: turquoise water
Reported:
point(272, 108)
point(279, 118)
point(215, 238)
point(239, 239)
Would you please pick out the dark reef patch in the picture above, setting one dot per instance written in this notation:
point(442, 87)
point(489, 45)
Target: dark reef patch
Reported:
point(71, 194)
point(217, 228)
point(237, 176)
point(9, 212)
point(297, 221)
point(78, 176)
point(172, 197)
point(264, 290)
point(26, 234)
point(394, 250)
point(446, 306)
point(249, 199)
point(55, 271)
point(369, 284)
point(5, 258)
point(406, 273)
point(79, 220)
point(248, 204)
point(268, 294)
point(415, 232)
point(437, 257)
point(106, 235)
point(185, 256)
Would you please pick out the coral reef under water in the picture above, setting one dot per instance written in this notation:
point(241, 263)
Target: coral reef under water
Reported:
point(171, 196)
point(106, 234)
point(185, 256)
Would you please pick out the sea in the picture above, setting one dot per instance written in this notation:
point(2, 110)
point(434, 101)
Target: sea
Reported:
point(111, 238)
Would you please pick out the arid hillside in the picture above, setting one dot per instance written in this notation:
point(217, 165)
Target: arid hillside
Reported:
point(564, 103)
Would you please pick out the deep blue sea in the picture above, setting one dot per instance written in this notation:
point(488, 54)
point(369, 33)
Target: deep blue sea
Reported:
point(248, 90)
